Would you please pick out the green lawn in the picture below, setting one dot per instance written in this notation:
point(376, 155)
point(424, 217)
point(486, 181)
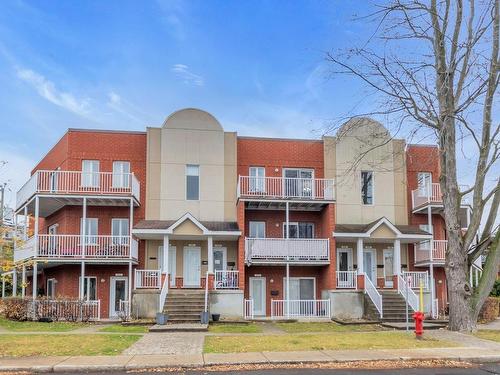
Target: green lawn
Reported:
point(28, 326)
point(332, 341)
point(65, 344)
point(235, 328)
point(118, 328)
point(488, 334)
point(306, 327)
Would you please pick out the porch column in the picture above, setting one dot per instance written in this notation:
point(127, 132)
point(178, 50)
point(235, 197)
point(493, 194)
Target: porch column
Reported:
point(360, 261)
point(210, 242)
point(396, 263)
point(14, 283)
point(35, 279)
point(166, 248)
point(23, 282)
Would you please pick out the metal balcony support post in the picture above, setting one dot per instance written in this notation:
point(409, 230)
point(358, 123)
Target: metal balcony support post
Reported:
point(130, 278)
point(37, 212)
point(25, 229)
point(83, 246)
point(23, 282)
point(131, 225)
point(287, 236)
point(35, 279)
point(431, 263)
point(14, 282)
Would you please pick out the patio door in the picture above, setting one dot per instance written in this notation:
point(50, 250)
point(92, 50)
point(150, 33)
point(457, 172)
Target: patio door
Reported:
point(118, 291)
point(370, 264)
point(388, 267)
point(424, 180)
point(257, 293)
point(52, 230)
point(192, 266)
point(298, 182)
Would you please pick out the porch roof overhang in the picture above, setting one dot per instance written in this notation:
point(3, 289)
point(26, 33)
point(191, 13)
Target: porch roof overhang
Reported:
point(157, 229)
point(381, 231)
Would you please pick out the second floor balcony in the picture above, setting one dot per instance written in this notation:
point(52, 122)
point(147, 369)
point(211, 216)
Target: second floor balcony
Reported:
point(423, 252)
point(280, 188)
point(79, 183)
point(430, 195)
point(77, 247)
point(281, 251)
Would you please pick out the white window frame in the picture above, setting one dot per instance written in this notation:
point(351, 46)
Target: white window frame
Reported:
point(299, 278)
point(188, 166)
point(255, 222)
point(87, 285)
point(224, 256)
point(349, 251)
point(373, 188)
point(121, 174)
point(121, 238)
point(257, 183)
point(51, 288)
point(90, 176)
point(425, 189)
point(90, 239)
point(296, 223)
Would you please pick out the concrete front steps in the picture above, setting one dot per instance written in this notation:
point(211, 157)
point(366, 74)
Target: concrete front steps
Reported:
point(393, 307)
point(184, 306)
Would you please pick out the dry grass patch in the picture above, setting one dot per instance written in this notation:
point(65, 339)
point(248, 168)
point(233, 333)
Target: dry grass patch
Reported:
point(488, 334)
point(64, 344)
point(29, 326)
point(235, 328)
point(119, 328)
point(305, 327)
point(333, 341)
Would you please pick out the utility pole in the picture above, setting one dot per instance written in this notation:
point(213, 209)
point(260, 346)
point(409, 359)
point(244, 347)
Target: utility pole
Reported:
point(2, 197)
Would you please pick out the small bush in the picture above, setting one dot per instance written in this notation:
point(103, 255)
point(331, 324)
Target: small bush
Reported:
point(490, 310)
point(495, 292)
point(15, 308)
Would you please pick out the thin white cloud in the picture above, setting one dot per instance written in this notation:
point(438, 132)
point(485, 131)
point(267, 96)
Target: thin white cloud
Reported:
point(47, 90)
point(118, 104)
point(186, 76)
point(173, 13)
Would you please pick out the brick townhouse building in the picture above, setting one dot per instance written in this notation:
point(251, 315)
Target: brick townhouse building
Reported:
point(187, 217)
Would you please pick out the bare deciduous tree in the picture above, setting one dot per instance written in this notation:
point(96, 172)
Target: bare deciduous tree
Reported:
point(436, 66)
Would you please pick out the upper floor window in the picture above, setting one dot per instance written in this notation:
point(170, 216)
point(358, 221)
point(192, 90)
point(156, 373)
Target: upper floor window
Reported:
point(424, 180)
point(192, 182)
point(90, 226)
point(257, 179)
point(367, 187)
point(119, 231)
point(121, 174)
point(90, 173)
point(299, 230)
point(298, 182)
point(257, 229)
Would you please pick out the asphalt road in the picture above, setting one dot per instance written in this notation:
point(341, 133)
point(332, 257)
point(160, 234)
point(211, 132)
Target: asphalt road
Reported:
point(488, 369)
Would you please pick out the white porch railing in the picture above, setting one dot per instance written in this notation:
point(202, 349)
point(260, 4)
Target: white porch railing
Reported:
point(68, 309)
point(435, 308)
point(147, 279)
point(415, 278)
point(226, 280)
point(347, 279)
point(284, 187)
point(374, 295)
point(124, 309)
point(163, 293)
point(422, 251)
point(248, 309)
point(70, 246)
point(408, 294)
point(282, 249)
point(78, 182)
point(314, 308)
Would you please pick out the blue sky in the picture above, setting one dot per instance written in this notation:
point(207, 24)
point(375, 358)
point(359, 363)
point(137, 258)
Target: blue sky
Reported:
point(258, 66)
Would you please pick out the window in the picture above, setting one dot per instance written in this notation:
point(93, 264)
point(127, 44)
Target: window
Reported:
point(90, 173)
point(51, 288)
point(299, 230)
point(257, 229)
point(301, 288)
point(298, 182)
point(257, 180)
point(424, 180)
point(119, 231)
point(367, 187)
point(89, 288)
point(90, 230)
point(425, 245)
point(121, 174)
point(192, 182)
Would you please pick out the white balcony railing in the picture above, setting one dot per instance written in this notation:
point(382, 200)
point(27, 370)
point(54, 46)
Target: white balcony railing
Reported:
point(431, 194)
point(314, 308)
point(64, 246)
point(291, 250)
point(226, 280)
point(286, 188)
point(415, 279)
point(347, 279)
point(147, 279)
point(65, 309)
point(78, 182)
point(423, 254)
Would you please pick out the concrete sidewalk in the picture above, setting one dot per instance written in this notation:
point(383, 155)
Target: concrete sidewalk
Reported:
point(131, 362)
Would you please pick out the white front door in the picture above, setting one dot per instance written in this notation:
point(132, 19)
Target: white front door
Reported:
point(370, 264)
point(344, 263)
point(257, 293)
point(388, 267)
point(118, 291)
point(192, 266)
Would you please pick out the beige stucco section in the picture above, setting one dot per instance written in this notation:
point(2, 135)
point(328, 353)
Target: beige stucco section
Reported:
point(152, 253)
point(329, 157)
point(191, 136)
point(365, 145)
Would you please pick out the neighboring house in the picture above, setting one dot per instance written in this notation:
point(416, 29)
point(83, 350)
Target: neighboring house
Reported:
point(266, 226)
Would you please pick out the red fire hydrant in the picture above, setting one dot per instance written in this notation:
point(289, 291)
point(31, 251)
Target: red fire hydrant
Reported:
point(419, 324)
